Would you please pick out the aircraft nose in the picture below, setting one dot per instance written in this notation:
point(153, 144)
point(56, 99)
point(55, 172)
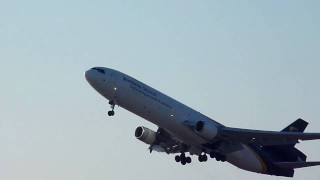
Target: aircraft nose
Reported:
point(96, 75)
point(89, 75)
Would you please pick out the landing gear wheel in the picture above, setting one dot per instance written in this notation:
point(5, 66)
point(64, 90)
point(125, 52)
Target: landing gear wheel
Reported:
point(188, 160)
point(218, 158)
point(212, 155)
point(112, 104)
point(177, 158)
point(221, 158)
point(203, 158)
point(111, 113)
point(183, 159)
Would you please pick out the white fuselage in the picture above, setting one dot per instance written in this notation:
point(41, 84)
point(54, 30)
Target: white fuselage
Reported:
point(163, 111)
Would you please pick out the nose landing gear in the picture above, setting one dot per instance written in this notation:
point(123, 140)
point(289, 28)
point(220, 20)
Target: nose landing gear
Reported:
point(111, 113)
point(112, 104)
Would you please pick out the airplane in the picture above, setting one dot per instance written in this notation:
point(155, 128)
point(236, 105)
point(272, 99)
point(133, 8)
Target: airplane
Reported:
point(182, 130)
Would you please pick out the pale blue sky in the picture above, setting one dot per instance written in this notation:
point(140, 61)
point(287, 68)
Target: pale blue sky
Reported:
point(249, 64)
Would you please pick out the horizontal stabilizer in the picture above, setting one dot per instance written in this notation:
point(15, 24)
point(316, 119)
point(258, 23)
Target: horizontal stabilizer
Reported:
point(266, 138)
point(295, 165)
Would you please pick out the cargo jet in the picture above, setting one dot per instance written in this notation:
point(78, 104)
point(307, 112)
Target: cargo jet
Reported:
point(185, 132)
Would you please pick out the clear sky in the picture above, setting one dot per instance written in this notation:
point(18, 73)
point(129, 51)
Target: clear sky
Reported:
point(248, 64)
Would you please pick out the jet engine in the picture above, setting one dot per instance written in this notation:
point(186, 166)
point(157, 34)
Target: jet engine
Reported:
point(145, 135)
point(207, 130)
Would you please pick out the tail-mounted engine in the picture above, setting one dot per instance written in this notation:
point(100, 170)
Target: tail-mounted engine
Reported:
point(206, 129)
point(146, 135)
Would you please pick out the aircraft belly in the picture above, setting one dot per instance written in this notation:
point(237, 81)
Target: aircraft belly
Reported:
point(247, 159)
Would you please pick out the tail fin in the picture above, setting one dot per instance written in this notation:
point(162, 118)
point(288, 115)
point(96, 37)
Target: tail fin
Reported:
point(291, 157)
point(297, 126)
point(289, 150)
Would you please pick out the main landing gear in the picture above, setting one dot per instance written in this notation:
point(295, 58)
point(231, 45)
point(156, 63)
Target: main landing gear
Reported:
point(202, 157)
point(218, 157)
point(112, 104)
point(183, 159)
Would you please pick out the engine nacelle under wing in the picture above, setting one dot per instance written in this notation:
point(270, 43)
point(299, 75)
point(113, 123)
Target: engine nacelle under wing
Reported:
point(145, 135)
point(206, 129)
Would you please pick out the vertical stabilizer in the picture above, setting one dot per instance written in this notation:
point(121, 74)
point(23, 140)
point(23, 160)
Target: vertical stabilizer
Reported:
point(297, 126)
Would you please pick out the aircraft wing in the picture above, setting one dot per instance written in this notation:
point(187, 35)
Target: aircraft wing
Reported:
point(266, 138)
point(165, 142)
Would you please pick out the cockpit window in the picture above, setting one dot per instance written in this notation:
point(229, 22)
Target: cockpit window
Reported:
point(99, 70)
